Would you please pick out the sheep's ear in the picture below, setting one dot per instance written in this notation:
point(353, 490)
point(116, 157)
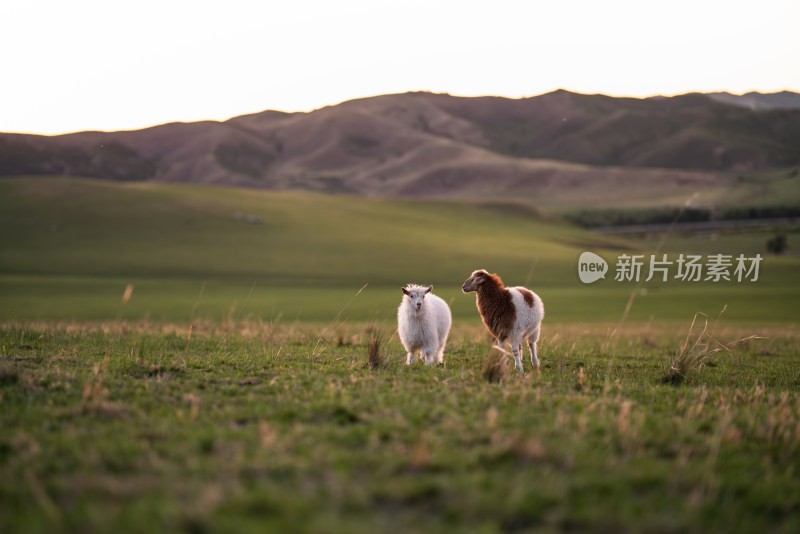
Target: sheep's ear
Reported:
point(430, 288)
point(405, 291)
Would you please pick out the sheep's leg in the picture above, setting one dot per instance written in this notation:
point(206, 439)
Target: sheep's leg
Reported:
point(517, 361)
point(440, 354)
point(430, 356)
point(534, 358)
point(532, 345)
point(410, 358)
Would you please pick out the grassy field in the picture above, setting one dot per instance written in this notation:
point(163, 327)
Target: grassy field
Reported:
point(196, 359)
point(287, 428)
point(72, 247)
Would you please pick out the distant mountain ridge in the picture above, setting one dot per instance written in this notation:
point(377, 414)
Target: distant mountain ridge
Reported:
point(425, 144)
point(753, 100)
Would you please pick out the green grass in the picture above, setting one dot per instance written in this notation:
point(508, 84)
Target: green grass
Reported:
point(184, 301)
point(746, 241)
point(71, 247)
point(95, 228)
point(285, 428)
point(757, 195)
point(765, 188)
point(233, 390)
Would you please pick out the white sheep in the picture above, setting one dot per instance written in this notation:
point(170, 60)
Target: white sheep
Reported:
point(423, 323)
point(511, 314)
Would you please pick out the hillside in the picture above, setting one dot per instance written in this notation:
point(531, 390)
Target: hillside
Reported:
point(71, 247)
point(753, 100)
point(541, 148)
point(95, 228)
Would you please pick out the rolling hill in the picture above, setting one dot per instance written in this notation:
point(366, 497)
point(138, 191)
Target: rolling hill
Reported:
point(71, 247)
point(753, 100)
point(540, 149)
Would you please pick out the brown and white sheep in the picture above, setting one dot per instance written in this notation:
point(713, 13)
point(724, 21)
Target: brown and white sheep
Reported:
point(512, 314)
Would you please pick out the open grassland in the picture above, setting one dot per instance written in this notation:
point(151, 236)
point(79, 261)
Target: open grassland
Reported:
point(761, 189)
point(273, 427)
point(70, 248)
point(765, 188)
point(749, 241)
point(187, 301)
point(197, 359)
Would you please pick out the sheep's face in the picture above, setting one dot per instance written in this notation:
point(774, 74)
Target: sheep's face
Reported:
point(472, 283)
point(416, 295)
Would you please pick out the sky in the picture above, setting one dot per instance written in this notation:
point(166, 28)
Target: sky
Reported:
point(73, 65)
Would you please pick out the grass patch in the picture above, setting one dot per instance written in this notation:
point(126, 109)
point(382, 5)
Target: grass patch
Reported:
point(92, 251)
point(496, 366)
point(376, 357)
point(119, 426)
point(697, 351)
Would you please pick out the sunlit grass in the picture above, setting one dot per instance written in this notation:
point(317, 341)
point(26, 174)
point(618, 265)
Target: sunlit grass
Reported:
point(249, 426)
point(698, 349)
point(90, 250)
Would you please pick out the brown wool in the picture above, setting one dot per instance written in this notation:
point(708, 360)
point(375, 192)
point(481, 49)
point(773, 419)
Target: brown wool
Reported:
point(527, 294)
point(495, 306)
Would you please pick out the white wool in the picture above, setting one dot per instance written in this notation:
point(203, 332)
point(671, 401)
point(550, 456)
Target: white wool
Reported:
point(426, 328)
point(528, 320)
point(527, 326)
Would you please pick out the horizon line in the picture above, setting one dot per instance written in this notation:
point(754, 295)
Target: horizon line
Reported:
point(410, 91)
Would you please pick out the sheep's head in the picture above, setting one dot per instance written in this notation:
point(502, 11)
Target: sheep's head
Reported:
point(473, 282)
point(416, 294)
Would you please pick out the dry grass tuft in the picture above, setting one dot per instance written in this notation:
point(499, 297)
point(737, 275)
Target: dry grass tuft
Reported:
point(376, 358)
point(494, 370)
point(697, 350)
